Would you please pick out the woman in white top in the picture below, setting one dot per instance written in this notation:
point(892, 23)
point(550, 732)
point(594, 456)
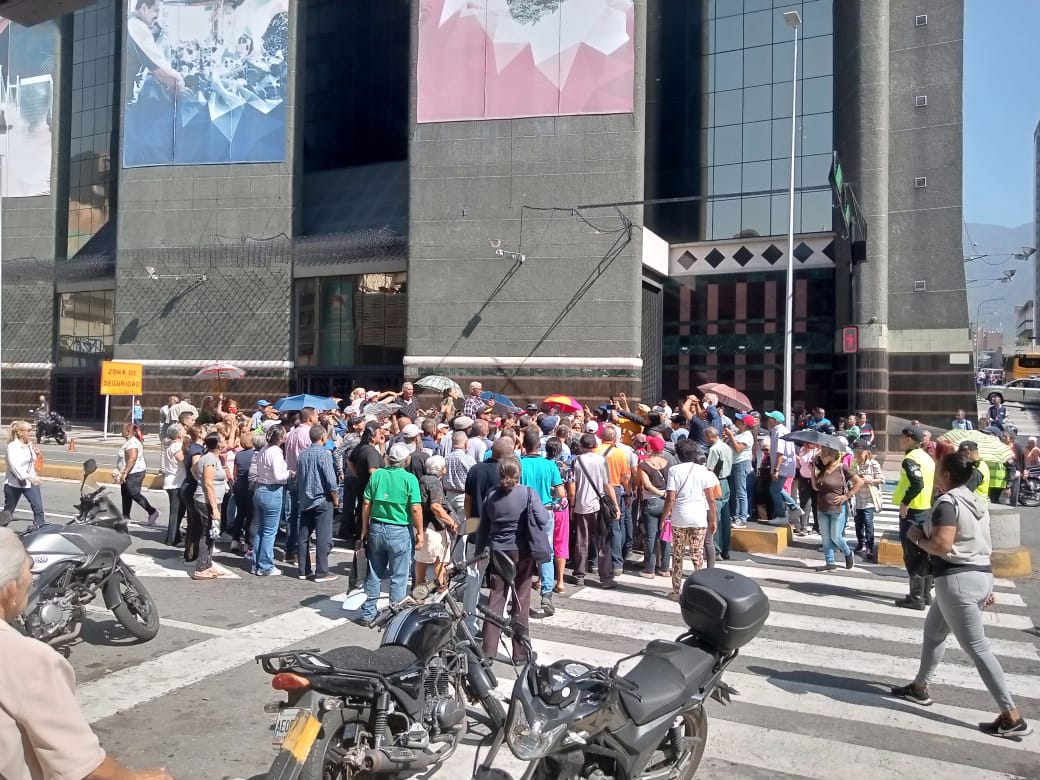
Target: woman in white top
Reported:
point(129, 473)
point(171, 466)
point(270, 475)
point(689, 504)
point(743, 444)
point(22, 479)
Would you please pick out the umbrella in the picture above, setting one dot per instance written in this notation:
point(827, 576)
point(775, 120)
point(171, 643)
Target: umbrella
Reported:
point(380, 409)
point(991, 449)
point(812, 436)
point(498, 400)
point(564, 402)
point(438, 384)
point(294, 403)
point(728, 396)
point(220, 371)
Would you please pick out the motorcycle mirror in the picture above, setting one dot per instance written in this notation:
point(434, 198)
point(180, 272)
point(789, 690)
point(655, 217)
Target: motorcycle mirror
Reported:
point(503, 566)
point(89, 467)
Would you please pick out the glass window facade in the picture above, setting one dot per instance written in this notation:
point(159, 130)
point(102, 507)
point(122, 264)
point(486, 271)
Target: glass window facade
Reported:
point(749, 61)
point(85, 328)
point(719, 116)
point(348, 321)
point(94, 114)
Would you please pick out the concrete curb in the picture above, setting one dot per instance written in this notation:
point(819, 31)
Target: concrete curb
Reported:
point(763, 539)
point(101, 476)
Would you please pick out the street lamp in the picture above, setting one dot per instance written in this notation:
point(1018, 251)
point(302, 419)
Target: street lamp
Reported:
point(794, 20)
point(978, 313)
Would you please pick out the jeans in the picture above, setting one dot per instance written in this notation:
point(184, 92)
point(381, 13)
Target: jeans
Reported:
point(241, 529)
point(292, 520)
point(782, 500)
point(547, 571)
point(738, 478)
point(865, 528)
point(390, 550)
point(131, 491)
point(622, 531)
point(267, 506)
point(318, 520)
point(32, 495)
point(957, 609)
point(587, 530)
point(725, 524)
point(832, 529)
point(653, 536)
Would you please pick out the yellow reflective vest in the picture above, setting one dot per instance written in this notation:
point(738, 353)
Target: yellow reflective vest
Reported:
point(924, 464)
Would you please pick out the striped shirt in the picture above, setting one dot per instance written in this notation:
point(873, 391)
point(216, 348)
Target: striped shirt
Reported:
point(456, 467)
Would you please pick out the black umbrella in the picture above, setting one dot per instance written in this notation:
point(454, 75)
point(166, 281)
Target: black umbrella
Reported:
point(811, 436)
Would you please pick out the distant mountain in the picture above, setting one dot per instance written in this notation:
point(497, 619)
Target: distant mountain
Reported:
point(999, 241)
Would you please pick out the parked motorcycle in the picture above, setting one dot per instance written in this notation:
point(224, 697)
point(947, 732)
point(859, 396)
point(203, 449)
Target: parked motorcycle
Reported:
point(72, 563)
point(1029, 488)
point(396, 711)
point(572, 721)
point(50, 426)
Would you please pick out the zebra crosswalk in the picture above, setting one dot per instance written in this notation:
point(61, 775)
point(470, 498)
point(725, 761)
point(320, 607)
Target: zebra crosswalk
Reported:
point(814, 684)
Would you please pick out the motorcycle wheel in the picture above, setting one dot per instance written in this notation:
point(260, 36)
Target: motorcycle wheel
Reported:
point(695, 725)
point(1029, 494)
point(59, 436)
point(136, 611)
point(325, 761)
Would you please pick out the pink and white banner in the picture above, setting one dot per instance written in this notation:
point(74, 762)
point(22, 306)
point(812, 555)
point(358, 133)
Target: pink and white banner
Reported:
point(501, 59)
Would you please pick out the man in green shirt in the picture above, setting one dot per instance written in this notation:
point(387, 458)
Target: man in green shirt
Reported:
point(391, 504)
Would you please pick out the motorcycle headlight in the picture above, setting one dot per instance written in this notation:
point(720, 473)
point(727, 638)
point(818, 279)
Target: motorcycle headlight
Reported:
point(528, 738)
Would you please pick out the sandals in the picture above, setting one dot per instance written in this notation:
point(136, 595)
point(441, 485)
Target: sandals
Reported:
point(560, 588)
point(214, 572)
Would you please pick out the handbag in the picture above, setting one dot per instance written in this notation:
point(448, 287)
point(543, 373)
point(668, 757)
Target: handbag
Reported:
point(537, 538)
point(666, 531)
point(358, 567)
point(38, 462)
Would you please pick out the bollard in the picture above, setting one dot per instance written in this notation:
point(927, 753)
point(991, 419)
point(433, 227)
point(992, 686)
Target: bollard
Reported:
point(1009, 558)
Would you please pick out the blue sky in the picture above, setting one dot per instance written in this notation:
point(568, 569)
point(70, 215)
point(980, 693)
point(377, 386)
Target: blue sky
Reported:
point(1001, 109)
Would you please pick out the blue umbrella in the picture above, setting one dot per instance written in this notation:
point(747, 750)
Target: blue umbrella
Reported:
point(498, 399)
point(293, 403)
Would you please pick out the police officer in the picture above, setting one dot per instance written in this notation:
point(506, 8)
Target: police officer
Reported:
point(981, 480)
point(913, 493)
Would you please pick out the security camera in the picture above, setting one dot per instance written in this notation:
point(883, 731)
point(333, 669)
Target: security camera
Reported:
point(499, 252)
point(151, 272)
point(872, 321)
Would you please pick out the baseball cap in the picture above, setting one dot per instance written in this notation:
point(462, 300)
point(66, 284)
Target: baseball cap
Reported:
point(532, 407)
point(748, 420)
point(398, 454)
point(462, 422)
point(655, 443)
point(592, 426)
point(775, 415)
point(639, 440)
point(861, 444)
point(915, 433)
point(411, 431)
point(969, 445)
point(262, 403)
point(443, 426)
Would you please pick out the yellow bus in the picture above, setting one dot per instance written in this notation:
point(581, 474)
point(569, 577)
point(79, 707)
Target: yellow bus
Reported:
point(1021, 366)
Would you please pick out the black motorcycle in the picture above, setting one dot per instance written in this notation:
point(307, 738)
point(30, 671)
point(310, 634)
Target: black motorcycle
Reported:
point(572, 721)
point(396, 711)
point(1029, 488)
point(72, 563)
point(50, 425)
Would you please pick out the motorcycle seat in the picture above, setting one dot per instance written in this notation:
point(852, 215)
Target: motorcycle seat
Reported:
point(385, 660)
point(667, 675)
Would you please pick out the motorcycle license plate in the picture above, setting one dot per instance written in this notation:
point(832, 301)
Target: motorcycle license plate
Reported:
point(286, 718)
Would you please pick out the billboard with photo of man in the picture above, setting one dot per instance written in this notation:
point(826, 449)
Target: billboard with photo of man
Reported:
point(206, 81)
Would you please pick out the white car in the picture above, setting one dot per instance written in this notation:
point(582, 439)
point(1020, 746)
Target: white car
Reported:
point(1019, 391)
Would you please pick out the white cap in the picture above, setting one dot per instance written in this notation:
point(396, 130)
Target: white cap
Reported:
point(411, 431)
point(592, 426)
point(398, 453)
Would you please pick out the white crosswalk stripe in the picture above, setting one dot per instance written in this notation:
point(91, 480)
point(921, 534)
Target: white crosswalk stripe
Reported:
point(814, 683)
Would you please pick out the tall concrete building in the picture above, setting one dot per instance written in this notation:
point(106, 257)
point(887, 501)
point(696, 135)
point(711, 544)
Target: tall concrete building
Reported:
point(331, 194)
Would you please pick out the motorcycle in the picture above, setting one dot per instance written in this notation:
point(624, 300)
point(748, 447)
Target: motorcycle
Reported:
point(572, 721)
point(1029, 488)
point(396, 711)
point(72, 563)
point(50, 426)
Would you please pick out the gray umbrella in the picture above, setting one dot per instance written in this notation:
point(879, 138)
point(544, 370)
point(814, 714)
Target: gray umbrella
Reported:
point(438, 384)
point(811, 436)
point(380, 409)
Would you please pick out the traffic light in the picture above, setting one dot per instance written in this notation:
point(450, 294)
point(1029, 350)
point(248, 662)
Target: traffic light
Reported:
point(850, 340)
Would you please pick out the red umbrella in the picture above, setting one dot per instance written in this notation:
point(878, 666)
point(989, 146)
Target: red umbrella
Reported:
point(564, 402)
point(728, 396)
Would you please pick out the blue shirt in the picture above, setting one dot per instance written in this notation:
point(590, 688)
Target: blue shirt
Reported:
point(315, 476)
point(541, 474)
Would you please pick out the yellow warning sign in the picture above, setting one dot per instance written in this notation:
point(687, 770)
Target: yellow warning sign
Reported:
point(121, 378)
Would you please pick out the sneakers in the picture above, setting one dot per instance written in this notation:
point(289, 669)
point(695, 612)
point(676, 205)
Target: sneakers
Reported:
point(850, 561)
point(921, 697)
point(607, 584)
point(547, 606)
point(153, 517)
point(828, 567)
point(739, 523)
point(326, 578)
point(1006, 729)
point(908, 602)
point(275, 572)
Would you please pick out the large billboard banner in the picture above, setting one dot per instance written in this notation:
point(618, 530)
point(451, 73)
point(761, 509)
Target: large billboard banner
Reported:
point(501, 59)
point(205, 81)
point(27, 57)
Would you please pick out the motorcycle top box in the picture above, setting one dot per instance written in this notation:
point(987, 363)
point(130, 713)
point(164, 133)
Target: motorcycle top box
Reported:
point(725, 610)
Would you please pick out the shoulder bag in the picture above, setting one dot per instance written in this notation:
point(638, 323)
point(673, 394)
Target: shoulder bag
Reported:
point(537, 538)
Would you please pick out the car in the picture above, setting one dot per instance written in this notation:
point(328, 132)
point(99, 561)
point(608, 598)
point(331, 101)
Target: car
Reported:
point(1019, 391)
